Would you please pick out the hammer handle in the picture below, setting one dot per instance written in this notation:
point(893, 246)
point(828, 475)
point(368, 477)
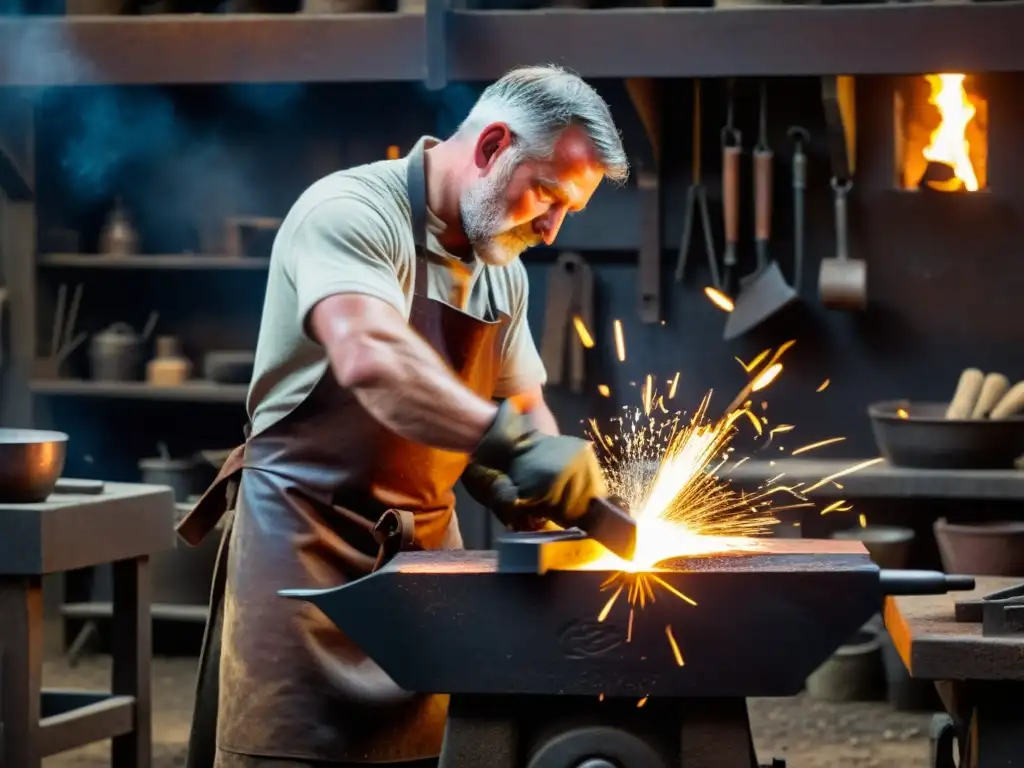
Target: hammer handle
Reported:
point(763, 194)
point(731, 193)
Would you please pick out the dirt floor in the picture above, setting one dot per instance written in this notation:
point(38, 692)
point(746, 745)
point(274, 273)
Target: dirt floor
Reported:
point(806, 733)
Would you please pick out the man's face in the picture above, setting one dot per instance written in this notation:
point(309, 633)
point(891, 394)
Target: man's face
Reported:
point(515, 203)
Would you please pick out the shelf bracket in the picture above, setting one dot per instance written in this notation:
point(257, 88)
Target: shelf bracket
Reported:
point(436, 30)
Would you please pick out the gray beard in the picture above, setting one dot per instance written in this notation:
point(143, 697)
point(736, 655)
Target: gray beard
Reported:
point(483, 208)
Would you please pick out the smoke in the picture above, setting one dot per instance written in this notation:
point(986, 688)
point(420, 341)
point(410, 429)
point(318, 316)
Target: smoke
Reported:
point(168, 156)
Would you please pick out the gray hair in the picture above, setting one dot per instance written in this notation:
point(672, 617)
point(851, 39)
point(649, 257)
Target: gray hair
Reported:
point(538, 103)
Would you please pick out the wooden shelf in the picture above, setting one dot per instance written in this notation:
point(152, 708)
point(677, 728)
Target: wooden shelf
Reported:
point(480, 45)
point(760, 41)
point(171, 261)
point(193, 392)
point(215, 48)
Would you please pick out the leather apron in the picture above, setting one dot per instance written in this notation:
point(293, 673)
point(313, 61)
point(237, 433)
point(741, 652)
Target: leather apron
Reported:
point(320, 498)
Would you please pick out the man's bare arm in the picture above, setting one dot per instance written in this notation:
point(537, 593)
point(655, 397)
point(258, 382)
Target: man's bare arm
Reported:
point(531, 402)
point(396, 376)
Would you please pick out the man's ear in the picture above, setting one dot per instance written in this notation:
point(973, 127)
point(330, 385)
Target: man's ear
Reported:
point(492, 141)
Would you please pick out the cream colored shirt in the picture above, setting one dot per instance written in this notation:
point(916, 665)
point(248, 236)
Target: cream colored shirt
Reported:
point(351, 232)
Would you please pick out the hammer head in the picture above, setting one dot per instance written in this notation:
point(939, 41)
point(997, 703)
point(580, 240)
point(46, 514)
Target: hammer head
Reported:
point(608, 522)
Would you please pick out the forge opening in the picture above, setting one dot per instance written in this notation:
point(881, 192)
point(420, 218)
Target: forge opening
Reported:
point(941, 126)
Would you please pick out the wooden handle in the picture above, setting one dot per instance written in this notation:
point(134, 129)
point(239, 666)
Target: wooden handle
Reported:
point(731, 192)
point(763, 194)
point(992, 391)
point(967, 390)
point(1011, 404)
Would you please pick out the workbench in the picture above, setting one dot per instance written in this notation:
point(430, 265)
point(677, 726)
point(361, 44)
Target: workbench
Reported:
point(123, 525)
point(884, 481)
point(979, 678)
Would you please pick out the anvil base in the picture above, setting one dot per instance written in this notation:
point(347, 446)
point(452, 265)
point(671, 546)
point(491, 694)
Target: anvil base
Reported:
point(578, 732)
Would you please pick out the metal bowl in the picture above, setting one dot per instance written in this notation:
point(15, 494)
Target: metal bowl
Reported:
point(31, 461)
point(919, 435)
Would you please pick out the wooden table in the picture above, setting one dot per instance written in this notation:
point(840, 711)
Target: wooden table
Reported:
point(980, 679)
point(123, 525)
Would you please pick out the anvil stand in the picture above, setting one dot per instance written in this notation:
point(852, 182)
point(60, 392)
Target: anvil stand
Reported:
point(986, 718)
point(577, 732)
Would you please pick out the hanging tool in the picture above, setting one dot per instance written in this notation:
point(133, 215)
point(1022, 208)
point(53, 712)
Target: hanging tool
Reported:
point(842, 281)
point(697, 201)
point(732, 148)
point(570, 296)
point(764, 292)
point(800, 138)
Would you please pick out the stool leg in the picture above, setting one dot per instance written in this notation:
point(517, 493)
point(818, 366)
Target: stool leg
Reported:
point(21, 670)
point(132, 646)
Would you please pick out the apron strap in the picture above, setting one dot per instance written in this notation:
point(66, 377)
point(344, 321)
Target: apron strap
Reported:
point(215, 502)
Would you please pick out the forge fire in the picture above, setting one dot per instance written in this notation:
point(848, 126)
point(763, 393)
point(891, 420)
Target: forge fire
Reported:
point(942, 134)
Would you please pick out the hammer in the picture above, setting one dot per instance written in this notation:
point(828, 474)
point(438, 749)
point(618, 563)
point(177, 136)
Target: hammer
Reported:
point(607, 522)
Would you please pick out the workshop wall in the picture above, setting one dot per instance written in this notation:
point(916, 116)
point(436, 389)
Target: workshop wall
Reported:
point(944, 271)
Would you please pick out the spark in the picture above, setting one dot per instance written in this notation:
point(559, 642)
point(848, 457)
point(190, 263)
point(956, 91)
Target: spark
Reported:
point(748, 367)
point(766, 377)
point(604, 390)
point(648, 394)
point(620, 341)
point(815, 446)
point(640, 704)
point(674, 645)
point(863, 520)
point(844, 472)
point(836, 506)
point(673, 385)
point(902, 413)
point(719, 299)
point(824, 385)
point(581, 330)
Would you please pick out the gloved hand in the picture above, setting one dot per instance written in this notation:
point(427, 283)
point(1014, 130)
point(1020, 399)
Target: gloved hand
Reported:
point(523, 473)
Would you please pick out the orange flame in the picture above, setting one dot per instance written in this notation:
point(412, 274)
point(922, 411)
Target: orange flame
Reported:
point(948, 144)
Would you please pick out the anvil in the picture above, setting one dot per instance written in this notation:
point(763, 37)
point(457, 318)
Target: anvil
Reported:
point(764, 619)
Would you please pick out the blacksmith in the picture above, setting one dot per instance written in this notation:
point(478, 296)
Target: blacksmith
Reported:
point(394, 353)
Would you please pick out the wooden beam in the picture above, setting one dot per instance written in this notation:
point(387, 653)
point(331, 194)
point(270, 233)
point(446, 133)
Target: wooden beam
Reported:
point(212, 49)
point(804, 40)
point(757, 41)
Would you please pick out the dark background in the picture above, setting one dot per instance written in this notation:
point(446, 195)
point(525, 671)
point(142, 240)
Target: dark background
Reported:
point(945, 276)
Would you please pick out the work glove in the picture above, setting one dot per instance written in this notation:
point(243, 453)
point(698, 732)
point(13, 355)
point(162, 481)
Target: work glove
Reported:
point(526, 476)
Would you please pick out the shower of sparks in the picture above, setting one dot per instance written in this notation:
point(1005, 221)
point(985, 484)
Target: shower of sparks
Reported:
point(604, 390)
point(581, 330)
point(719, 299)
point(823, 386)
point(671, 470)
